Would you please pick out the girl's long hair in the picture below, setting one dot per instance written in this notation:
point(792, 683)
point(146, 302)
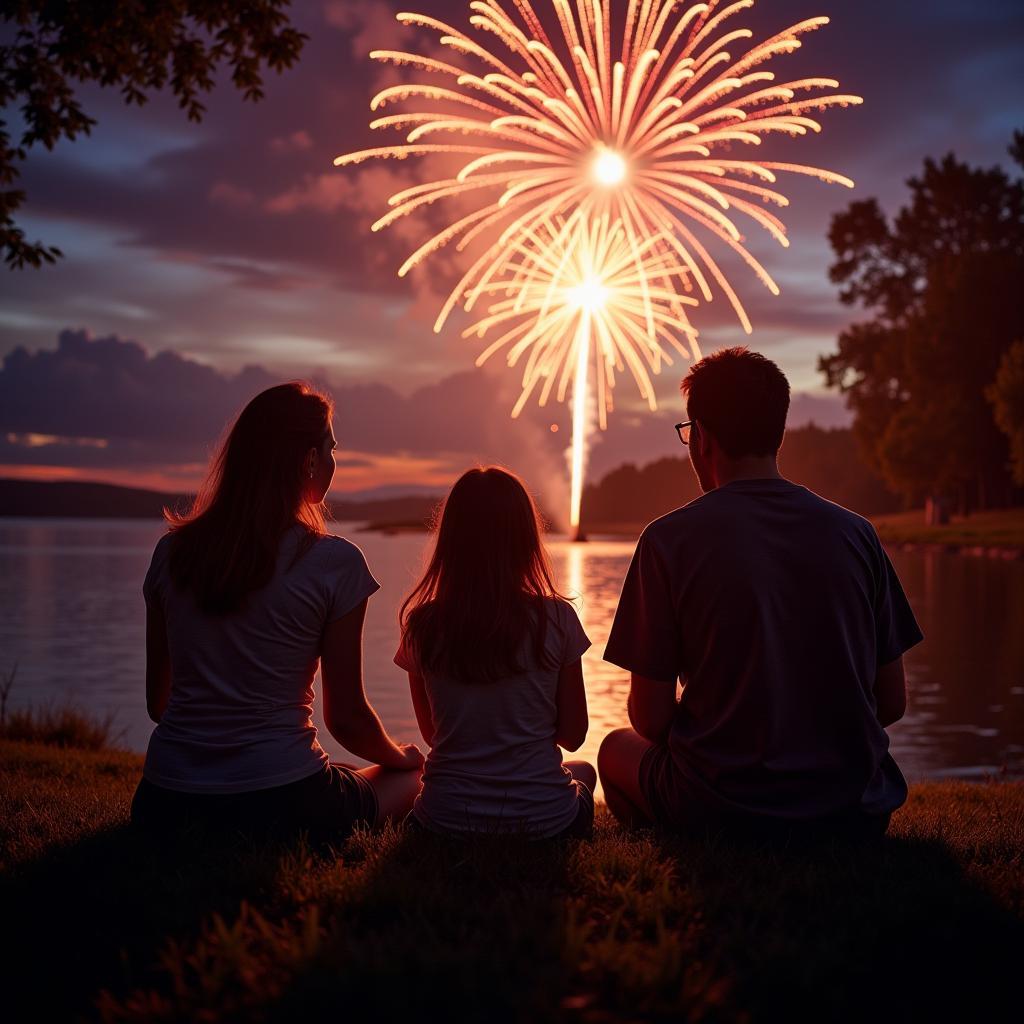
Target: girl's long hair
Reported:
point(484, 589)
point(226, 544)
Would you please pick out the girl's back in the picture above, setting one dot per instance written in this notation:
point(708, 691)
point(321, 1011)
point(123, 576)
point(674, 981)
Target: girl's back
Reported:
point(495, 765)
point(493, 655)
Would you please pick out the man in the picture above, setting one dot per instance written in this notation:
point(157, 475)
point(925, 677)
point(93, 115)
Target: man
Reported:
point(782, 617)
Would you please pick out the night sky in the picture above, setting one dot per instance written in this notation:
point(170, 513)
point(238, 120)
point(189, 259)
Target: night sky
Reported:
point(205, 262)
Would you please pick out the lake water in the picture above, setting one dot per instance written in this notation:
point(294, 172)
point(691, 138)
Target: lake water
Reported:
point(72, 617)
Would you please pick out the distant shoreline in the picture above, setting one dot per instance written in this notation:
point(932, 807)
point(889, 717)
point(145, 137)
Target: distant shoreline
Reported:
point(68, 499)
point(996, 534)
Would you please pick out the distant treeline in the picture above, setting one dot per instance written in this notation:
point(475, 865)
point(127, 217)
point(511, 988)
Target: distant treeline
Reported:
point(73, 499)
point(826, 461)
point(87, 500)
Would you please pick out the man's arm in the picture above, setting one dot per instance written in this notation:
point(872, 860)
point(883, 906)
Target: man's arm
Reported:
point(651, 705)
point(891, 692)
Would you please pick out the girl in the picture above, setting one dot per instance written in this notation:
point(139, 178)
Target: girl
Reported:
point(493, 655)
point(244, 596)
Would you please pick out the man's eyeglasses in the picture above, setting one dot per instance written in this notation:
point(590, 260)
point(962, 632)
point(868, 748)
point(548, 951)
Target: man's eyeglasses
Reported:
point(683, 430)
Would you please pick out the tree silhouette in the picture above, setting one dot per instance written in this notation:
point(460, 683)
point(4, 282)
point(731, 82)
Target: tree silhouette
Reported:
point(49, 48)
point(943, 281)
point(1007, 397)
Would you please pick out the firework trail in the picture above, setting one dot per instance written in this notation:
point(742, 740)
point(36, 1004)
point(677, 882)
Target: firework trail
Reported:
point(552, 303)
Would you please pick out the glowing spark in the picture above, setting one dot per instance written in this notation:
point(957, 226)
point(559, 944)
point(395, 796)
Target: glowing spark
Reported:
point(590, 296)
point(609, 168)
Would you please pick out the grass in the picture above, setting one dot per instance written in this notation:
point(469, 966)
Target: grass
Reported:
point(1003, 528)
point(927, 925)
point(61, 725)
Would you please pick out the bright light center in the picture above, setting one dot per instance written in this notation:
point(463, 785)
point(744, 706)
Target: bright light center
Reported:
point(591, 295)
point(609, 168)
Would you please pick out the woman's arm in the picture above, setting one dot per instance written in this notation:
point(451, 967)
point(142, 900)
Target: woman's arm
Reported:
point(573, 722)
point(158, 664)
point(348, 715)
point(421, 705)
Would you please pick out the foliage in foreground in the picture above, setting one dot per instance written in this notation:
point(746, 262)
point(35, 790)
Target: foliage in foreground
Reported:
point(49, 50)
point(59, 725)
point(926, 925)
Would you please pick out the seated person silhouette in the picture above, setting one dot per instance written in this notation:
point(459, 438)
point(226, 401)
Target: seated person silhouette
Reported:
point(247, 595)
point(783, 619)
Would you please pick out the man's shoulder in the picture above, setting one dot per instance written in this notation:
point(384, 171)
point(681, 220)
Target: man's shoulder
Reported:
point(668, 528)
point(840, 515)
point(707, 507)
point(722, 512)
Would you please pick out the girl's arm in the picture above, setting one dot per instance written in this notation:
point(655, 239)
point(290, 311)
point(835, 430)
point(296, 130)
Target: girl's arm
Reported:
point(573, 722)
point(421, 705)
point(158, 664)
point(347, 713)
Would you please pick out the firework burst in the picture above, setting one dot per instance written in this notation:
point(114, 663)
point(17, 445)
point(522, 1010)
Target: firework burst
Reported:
point(596, 142)
point(544, 125)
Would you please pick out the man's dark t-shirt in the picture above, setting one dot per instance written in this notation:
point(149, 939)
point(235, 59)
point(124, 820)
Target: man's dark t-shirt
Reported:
point(775, 609)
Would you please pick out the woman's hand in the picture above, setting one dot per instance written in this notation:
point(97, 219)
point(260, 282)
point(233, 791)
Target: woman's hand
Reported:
point(412, 758)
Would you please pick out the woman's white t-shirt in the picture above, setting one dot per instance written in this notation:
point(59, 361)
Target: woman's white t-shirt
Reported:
point(240, 714)
point(494, 765)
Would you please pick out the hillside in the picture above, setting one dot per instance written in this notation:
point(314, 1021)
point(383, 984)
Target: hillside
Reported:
point(89, 500)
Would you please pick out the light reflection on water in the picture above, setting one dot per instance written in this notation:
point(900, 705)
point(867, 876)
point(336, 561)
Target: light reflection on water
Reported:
point(71, 615)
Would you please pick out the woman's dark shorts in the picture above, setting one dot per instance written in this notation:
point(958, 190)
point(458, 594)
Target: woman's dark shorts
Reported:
point(676, 806)
point(327, 806)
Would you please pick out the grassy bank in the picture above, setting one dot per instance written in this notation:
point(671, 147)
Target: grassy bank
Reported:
point(925, 926)
point(1003, 528)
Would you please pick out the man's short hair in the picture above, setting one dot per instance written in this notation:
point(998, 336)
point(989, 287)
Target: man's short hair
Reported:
point(742, 398)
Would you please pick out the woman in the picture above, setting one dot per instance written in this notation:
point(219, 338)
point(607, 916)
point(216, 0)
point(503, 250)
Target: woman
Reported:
point(245, 595)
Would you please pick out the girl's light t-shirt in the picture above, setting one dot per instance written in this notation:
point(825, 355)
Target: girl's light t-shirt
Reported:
point(240, 714)
point(494, 766)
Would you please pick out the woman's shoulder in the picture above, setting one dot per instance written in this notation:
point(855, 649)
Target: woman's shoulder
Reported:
point(329, 555)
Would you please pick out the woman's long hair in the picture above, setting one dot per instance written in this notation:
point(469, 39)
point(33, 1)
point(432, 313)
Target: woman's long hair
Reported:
point(227, 544)
point(483, 592)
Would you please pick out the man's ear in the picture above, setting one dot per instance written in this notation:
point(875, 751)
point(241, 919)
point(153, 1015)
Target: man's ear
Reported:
point(705, 442)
